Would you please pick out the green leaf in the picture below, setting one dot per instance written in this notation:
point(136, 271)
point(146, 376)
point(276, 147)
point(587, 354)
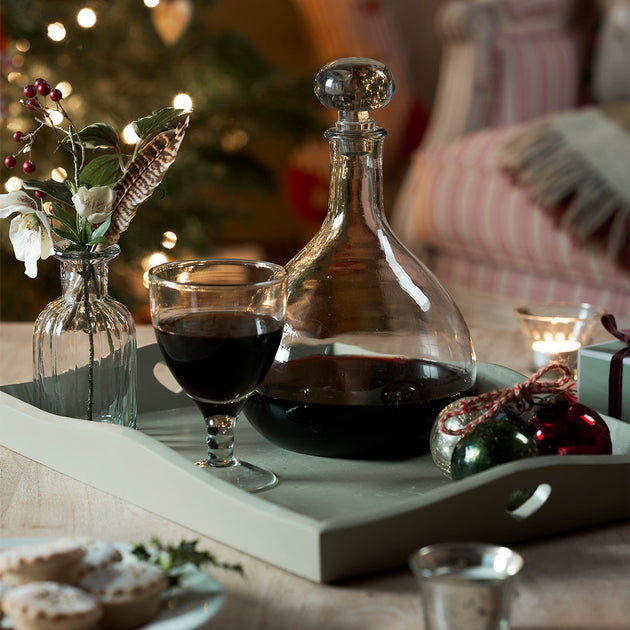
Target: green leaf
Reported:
point(97, 135)
point(75, 247)
point(99, 240)
point(102, 228)
point(70, 236)
point(63, 216)
point(103, 170)
point(86, 231)
point(172, 558)
point(157, 121)
point(55, 190)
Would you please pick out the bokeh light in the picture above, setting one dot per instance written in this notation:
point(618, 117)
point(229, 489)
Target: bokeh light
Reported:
point(183, 101)
point(56, 31)
point(86, 18)
point(12, 184)
point(129, 135)
point(59, 174)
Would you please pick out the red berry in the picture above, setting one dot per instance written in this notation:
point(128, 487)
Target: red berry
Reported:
point(38, 81)
point(10, 161)
point(28, 166)
point(33, 103)
point(17, 136)
point(39, 194)
point(30, 91)
point(56, 95)
point(43, 89)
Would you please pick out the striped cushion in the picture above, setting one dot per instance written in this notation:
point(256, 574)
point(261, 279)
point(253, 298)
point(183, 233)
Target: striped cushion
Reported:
point(490, 234)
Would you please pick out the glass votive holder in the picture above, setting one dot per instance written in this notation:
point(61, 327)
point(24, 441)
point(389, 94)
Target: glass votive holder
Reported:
point(466, 585)
point(554, 332)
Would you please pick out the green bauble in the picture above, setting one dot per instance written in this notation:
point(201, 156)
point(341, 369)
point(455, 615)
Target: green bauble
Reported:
point(490, 444)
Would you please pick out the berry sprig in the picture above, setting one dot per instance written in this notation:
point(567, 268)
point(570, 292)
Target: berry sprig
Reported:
point(32, 102)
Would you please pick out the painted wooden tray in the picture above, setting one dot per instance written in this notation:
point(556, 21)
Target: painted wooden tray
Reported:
point(328, 518)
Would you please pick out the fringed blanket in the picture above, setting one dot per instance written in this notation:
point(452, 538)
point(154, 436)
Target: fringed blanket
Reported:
point(578, 164)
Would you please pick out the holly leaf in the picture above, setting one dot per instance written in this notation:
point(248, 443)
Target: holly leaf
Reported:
point(55, 190)
point(97, 135)
point(157, 121)
point(103, 170)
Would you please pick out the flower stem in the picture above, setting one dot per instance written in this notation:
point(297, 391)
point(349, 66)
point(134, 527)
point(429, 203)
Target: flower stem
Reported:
point(86, 304)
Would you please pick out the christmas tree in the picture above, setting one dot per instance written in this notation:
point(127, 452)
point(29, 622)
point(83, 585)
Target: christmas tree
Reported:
point(118, 61)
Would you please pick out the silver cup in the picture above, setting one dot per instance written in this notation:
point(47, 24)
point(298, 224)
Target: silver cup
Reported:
point(466, 585)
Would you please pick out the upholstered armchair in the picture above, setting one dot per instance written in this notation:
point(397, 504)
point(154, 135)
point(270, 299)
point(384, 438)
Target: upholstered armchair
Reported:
point(471, 205)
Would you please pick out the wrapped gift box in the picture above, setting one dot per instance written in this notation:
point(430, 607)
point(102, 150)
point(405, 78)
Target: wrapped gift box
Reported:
point(593, 373)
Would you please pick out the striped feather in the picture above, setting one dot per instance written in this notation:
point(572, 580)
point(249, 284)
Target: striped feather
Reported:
point(142, 177)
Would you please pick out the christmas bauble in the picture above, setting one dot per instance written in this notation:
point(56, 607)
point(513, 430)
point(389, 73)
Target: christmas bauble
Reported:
point(489, 444)
point(561, 426)
point(442, 444)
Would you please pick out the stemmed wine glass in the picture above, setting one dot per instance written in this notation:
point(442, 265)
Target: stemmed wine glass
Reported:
point(218, 324)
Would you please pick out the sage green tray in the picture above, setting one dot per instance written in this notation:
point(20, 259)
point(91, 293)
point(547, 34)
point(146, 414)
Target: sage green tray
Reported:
point(328, 518)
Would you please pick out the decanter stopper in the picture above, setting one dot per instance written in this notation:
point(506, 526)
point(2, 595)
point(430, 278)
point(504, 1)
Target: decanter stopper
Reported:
point(354, 86)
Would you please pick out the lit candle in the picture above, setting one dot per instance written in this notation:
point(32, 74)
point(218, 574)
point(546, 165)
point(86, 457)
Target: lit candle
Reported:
point(553, 348)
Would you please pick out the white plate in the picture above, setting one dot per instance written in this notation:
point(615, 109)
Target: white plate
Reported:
point(188, 606)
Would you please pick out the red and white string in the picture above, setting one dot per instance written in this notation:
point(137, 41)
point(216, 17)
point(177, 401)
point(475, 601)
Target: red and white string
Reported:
point(521, 393)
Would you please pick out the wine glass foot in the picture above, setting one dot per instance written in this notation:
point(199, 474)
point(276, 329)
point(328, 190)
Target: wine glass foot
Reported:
point(244, 475)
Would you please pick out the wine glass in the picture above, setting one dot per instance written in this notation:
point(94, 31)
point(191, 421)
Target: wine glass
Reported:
point(218, 324)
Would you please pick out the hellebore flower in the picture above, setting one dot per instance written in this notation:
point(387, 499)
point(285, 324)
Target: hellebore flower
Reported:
point(94, 204)
point(29, 231)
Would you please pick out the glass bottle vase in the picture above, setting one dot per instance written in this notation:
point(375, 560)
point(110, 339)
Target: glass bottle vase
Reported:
point(84, 345)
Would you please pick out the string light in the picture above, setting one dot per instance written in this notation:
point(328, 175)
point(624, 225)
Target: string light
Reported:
point(65, 87)
point(59, 174)
point(169, 239)
point(86, 18)
point(129, 135)
point(23, 45)
point(13, 184)
point(56, 31)
point(183, 101)
point(151, 3)
point(55, 116)
point(151, 261)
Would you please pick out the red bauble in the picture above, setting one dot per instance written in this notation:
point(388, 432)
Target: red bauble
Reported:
point(565, 427)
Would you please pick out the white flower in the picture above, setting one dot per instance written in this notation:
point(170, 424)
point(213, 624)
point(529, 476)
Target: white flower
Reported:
point(29, 231)
point(94, 204)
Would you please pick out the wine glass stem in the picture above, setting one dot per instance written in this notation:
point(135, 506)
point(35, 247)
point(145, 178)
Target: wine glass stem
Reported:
point(221, 440)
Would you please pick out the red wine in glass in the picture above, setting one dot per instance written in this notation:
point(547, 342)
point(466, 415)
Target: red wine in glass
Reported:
point(219, 358)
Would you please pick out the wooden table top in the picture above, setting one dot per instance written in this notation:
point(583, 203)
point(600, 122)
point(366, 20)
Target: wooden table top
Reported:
point(579, 581)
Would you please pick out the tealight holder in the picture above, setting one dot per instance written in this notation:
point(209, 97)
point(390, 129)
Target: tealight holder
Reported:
point(554, 332)
point(466, 585)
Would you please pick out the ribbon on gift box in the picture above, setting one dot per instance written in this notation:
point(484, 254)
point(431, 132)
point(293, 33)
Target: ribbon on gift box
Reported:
point(616, 365)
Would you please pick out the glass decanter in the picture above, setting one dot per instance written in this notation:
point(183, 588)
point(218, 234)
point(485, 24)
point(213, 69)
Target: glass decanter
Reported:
point(373, 347)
